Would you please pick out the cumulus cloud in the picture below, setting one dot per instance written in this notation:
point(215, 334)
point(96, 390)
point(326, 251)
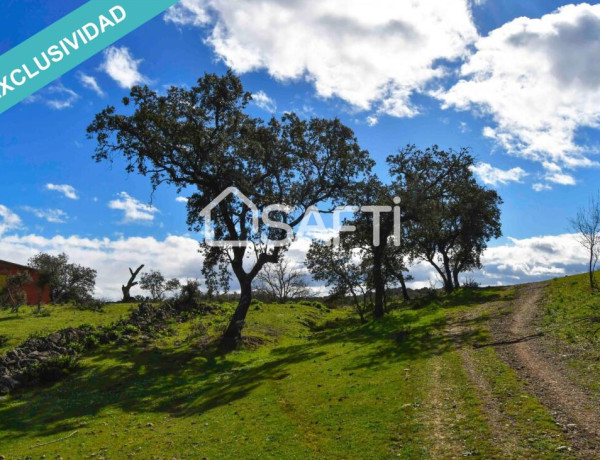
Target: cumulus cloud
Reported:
point(373, 55)
point(122, 67)
point(188, 13)
point(8, 220)
point(264, 102)
point(490, 175)
point(175, 256)
point(539, 79)
point(536, 258)
point(54, 216)
point(133, 209)
point(181, 199)
point(90, 82)
point(67, 190)
point(518, 261)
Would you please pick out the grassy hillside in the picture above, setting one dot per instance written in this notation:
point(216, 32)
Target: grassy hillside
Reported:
point(15, 328)
point(313, 383)
point(572, 317)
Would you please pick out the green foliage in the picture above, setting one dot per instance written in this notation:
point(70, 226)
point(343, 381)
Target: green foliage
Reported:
point(203, 138)
point(12, 295)
point(157, 285)
point(68, 282)
point(52, 370)
point(338, 267)
point(448, 217)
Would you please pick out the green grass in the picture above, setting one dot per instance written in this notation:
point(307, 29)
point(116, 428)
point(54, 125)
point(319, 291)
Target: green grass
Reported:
point(17, 327)
point(572, 317)
point(320, 386)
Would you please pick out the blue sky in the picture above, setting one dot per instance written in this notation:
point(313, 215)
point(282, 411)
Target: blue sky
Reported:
point(43, 140)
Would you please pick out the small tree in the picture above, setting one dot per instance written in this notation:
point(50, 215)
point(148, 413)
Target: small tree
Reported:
point(68, 282)
point(282, 282)
point(43, 282)
point(341, 270)
point(126, 288)
point(155, 282)
point(12, 296)
point(587, 226)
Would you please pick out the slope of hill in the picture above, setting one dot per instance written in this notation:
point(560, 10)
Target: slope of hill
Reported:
point(430, 381)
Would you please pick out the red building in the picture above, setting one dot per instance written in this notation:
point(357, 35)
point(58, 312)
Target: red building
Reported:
point(32, 292)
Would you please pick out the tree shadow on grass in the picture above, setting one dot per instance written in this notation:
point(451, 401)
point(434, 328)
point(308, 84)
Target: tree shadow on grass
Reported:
point(402, 341)
point(186, 381)
point(180, 383)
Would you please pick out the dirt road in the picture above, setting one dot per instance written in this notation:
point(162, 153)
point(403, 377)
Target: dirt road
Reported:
point(547, 376)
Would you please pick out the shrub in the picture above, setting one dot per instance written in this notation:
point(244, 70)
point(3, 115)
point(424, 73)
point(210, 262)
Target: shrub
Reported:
point(51, 370)
point(470, 283)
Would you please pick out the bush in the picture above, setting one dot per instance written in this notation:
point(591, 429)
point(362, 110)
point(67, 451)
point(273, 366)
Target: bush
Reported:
point(92, 304)
point(315, 304)
point(44, 312)
point(470, 283)
point(51, 370)
point(131, 329)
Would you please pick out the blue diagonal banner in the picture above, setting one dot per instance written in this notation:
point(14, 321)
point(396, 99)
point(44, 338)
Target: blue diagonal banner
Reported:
point(68, 42)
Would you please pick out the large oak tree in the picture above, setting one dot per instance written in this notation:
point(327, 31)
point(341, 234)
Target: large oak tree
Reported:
point(202, 138)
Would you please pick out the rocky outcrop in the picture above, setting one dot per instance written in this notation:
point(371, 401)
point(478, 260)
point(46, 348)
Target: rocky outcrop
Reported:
point(25, 364)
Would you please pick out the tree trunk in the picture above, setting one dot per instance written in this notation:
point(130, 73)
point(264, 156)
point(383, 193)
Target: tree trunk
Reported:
point(379, 283)
point(131, 283)
point(448, 285)
point(405, 295)
point(233, 335)
point(456, 282)
point(591, 269)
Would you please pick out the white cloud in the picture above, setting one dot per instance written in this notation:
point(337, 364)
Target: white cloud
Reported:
point(55, 216)
point(134, 210)
point(122, 67)
point(560, 178)
point(264, 102)
point(539, 79)
point(90, 82)
point(373, 55)
point(535, 258)
point(519, 261)
point(67, 190)
point(188, 12)
point(372, 121)
point(490, 175)
point(175, 256)
point(464, 127)
point(57, 97)
point(539, 187)
point(8, 220)
point(181, 199)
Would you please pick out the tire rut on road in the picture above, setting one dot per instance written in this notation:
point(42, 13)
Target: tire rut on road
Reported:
point(573, 408)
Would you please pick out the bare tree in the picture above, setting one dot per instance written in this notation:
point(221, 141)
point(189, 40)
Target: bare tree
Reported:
point(282, 282)
point(587, 225)
point(131, 283)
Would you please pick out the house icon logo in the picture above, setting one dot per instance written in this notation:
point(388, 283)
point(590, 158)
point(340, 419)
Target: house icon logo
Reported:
point(206, 214)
